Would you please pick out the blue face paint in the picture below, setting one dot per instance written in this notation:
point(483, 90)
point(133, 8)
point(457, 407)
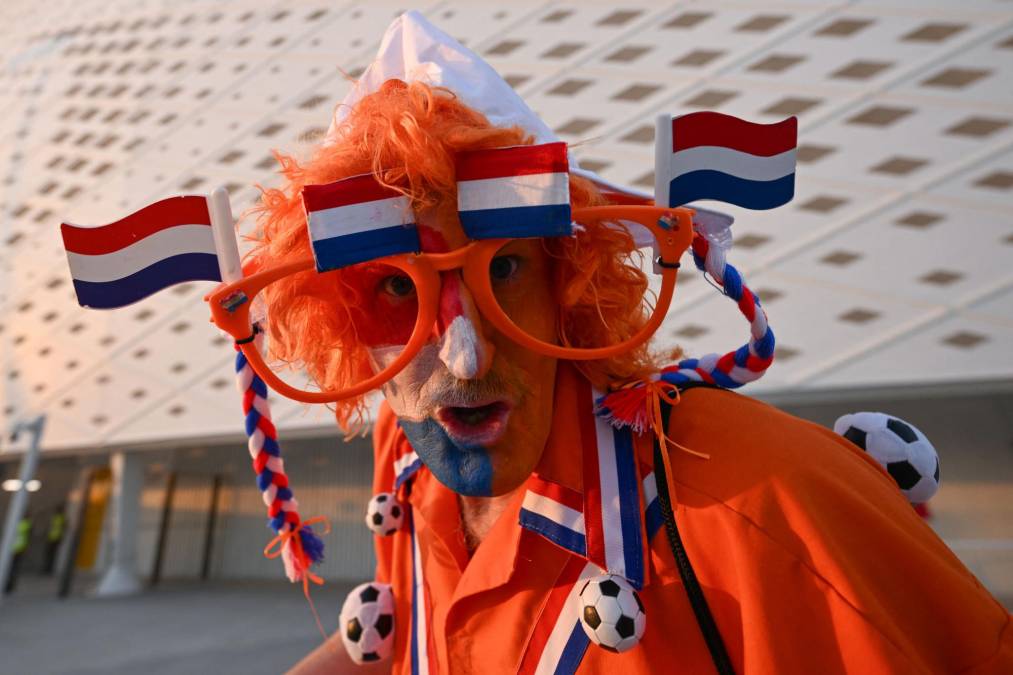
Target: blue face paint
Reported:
point(465, 469)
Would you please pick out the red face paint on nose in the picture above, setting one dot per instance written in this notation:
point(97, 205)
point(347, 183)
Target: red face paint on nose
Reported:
point(464, 351)
point(451, 302)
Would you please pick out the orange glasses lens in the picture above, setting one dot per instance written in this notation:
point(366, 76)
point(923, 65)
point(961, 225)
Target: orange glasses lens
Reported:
point(589, 309)
point(364, 314)
point(577, 294)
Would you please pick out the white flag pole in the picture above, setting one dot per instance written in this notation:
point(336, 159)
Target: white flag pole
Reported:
point(662, 158)
point(662, 168)
point(224, 231)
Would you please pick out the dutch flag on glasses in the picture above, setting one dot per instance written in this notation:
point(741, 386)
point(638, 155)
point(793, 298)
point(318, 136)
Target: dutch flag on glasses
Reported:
point(358, 219)
point(165, 243)
point(521, 191)
point(708, 155)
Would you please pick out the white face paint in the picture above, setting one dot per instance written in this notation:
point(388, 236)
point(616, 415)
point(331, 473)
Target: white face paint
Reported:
point(411, 392)
point(461, 350)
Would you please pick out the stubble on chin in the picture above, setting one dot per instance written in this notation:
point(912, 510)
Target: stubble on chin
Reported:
point(426, 385)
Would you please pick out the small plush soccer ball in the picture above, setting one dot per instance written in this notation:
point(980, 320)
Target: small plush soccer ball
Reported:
point(384, 515)
point(367, 622)
point(899, 447)
point(611, 613)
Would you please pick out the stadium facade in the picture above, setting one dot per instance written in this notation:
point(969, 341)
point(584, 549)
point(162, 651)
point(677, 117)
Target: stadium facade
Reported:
point(887, 280)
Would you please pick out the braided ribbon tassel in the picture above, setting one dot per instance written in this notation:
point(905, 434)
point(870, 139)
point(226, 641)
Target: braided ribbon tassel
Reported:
point(750, 361)
point(631, 404)
point(296, 543)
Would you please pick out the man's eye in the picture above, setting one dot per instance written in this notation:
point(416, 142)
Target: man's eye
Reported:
point(503, 268)
point(398, 285)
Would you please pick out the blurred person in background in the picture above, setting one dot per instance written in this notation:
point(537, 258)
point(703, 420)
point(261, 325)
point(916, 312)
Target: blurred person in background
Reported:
point(22, 538)
point(54, 535)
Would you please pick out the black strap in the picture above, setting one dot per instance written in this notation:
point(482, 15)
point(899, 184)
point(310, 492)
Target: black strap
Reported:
point(253, 336)
point(704, 618)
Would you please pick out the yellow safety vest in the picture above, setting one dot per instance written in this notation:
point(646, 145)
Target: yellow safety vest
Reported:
point(23, 533)
point(56, 524)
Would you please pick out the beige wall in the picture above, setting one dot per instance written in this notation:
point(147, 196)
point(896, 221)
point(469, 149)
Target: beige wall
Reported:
point(329, 478)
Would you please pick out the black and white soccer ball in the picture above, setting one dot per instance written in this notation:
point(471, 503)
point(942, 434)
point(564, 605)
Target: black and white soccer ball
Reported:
point(367, 622)
point(611, 613)
point(384, 514)
point(899, 447)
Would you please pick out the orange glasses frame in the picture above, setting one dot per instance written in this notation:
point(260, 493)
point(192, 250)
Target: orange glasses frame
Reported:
point(230, 304)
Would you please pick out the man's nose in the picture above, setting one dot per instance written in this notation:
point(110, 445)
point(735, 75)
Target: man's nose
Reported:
point(464, 349)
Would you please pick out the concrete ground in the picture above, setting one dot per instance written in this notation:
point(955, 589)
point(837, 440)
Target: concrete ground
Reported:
point(248, 628)
point(251, 628)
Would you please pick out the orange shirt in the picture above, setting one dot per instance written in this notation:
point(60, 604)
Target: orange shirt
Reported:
point(809, 557)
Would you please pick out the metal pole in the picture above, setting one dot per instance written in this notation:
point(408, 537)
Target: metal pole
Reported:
point(69, 564)
point(19, 500)
point(163, 529)
point(209, 532)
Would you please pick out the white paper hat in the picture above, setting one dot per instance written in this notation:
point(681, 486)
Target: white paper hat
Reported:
point(414, 50)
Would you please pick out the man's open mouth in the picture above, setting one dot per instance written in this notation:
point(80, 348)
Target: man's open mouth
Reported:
point(475, 425)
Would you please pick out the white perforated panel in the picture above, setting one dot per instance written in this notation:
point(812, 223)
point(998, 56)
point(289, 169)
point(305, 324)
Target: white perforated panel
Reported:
point(891, 266)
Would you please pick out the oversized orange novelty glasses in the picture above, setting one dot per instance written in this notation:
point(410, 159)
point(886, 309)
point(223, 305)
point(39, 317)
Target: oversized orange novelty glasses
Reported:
point(396, 298)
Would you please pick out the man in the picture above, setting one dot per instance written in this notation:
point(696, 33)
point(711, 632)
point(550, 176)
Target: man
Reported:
point(22, 538)
point(54, 535)
point(788, 551)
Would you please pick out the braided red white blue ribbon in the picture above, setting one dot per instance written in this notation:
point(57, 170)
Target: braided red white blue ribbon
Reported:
point(627, 406)
point(282, 508)
point(750, 361)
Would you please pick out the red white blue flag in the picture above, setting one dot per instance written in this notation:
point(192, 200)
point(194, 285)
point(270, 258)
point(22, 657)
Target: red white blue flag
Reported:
point(358, 219)
point(164, 243)
point(558, 641)
point(556, 513)
point(612, 506)
point(709, 155)
point(521, 191)
point(605, 522)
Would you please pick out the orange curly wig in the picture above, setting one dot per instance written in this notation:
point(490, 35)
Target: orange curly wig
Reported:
point(407, 135)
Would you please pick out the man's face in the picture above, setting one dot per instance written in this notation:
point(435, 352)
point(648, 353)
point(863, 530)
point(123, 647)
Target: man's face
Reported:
point(476, 406)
